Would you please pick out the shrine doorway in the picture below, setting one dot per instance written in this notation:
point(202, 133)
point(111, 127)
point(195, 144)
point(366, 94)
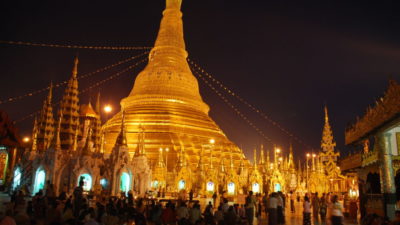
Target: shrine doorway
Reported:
point(181, 185)
point(125, 183)
point(256, 188)
point(3, 166)
point(210, 186)
point(40, 180)
point(104, 183)
point(231, 188)
point(87, 181)
point(17, 178)
point(277, 187)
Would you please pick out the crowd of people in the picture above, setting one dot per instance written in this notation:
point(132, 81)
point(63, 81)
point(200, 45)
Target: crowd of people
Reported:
point(44, 208)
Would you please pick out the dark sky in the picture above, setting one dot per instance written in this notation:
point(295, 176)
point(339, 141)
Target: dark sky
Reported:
point(287, 58)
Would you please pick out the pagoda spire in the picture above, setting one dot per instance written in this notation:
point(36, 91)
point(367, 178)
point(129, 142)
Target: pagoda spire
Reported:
point(231, 165)
point(268, 160)
point(222, 165)
point(75, 141)
point(45, 128)
point(241, 167)
point(161, 163)
point(70, 108)
point(56, 144)
point(200, 165)
point(98, 106)
point(255, 159)
point(327, 143)
point(121, 139)
point(86, 149)
point(181, 158)
point(262, 155)
point(34, 135)
point(291, 161)
point(140, 150)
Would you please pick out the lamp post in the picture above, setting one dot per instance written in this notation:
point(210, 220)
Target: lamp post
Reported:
point(313, 161)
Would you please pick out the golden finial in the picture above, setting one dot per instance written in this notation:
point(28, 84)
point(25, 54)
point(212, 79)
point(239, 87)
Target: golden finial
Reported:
point(326, 114)
point(75, 69)
point(50, 95)
point(174, 4)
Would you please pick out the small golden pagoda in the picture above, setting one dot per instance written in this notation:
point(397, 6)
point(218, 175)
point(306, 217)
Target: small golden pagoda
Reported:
point(165, 101)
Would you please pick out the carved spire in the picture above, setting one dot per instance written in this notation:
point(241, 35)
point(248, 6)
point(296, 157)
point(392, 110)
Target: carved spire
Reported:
point(34, 135)
point(181, 159)
point(56, 144)
point(86, 149)
point(98, 106)
point(160, 163)
point(262, 162)
point(327, 143)
point(140, 150)
point(200, 165)
point(255, 159)
point(121, 139)
point(231, 165)
point(75, 141)
point(101, 149)
point(75, 69)
point(241, 167)
point(45, 126)
point(291, 161)
point(222, 165)
point(70, 108)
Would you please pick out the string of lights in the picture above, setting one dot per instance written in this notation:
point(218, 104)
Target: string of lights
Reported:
point(99, 83)
point(237, 111)
point(60, 84)
point(73, 46)
point(195, 67)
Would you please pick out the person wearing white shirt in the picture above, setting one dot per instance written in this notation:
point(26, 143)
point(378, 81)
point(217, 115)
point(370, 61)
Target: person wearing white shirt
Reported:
point(306, 211)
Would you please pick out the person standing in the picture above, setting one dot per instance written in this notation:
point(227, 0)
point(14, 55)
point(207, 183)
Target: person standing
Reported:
point(306, 211)
point(337, 214)
point(182, 214)
point(78, 198)
point(251, 205)
point(214, 197)
point(272, 206)
point(292, 197)
point(280, 208)
point(322, 209)
point(191, 195)
point(315, 206)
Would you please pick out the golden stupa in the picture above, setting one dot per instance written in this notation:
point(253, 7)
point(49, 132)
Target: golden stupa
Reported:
point(165, 104)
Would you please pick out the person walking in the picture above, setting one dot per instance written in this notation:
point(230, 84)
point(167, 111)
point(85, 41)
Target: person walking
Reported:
point(306, 211)
point(322, 209)
point(337, 214)
point(272, 206)
point(251, 205)
point(280, 208)
point(315, 206)
point(292, 197)
point(182, 214)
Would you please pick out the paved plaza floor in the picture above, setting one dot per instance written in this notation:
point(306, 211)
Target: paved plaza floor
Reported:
point(296, 218)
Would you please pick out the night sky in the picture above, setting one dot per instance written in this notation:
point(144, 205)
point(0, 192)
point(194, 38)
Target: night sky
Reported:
point(288, 58)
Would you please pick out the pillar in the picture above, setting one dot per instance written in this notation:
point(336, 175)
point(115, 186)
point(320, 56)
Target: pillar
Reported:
point(387, 176)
